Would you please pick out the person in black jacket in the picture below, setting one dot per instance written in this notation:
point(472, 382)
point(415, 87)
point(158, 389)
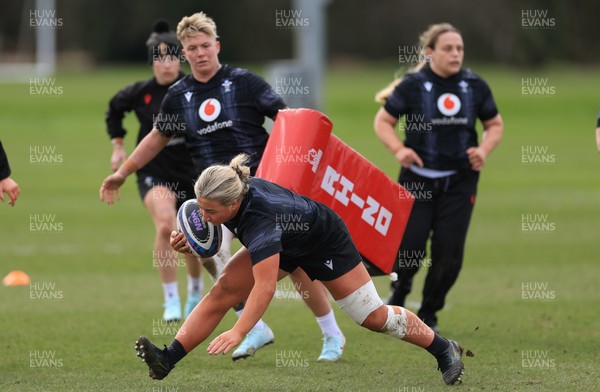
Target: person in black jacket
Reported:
point(441, 160)
point(7, 184)
point(166, 181)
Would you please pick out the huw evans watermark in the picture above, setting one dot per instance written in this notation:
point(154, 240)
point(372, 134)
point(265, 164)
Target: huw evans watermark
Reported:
point(44, 359)
point(166, 259)
point(537, 87)
point(290, 359)
point(537, 291)
point(291, 223)
point(297, 155)
point(173, 123)
point(44, 19)
point(290, 290)
point(537, 156)
point(165, 191)
point(537, 223)
point(44, 155)
point(44, 291)
point(410, 259)
point(417, 191)
point(415, 124)
point(291, 87)
point(291, 19)
point(412, 54)
point(45, 223)
point(537, 359)
point(161, 327)
point(46, 87)
point(537, 20)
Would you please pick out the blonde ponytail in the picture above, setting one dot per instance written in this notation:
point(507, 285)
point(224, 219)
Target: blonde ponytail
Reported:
point(224, 183)
point(238, 164)
point(385, 93)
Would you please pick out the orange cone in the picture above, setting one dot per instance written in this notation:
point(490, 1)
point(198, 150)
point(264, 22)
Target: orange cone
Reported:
point(16, 278)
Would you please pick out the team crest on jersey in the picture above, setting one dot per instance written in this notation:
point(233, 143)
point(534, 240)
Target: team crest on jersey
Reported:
point(448, 104)
point(209, 110)
point(226, 85)
point(463, 86)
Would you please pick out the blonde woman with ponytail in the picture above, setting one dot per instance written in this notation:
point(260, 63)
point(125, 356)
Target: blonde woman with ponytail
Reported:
point(321, 245)
point(220, 110)
point(440, 158)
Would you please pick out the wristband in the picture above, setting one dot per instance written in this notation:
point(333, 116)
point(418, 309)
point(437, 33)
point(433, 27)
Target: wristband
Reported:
point(117, 141)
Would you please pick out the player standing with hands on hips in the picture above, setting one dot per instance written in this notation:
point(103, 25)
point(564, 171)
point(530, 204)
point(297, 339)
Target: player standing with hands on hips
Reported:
point(441, 160)
point(249, 207)
point(221, 109)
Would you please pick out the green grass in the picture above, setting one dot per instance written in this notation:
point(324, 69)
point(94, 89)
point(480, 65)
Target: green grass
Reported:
point(100, 263)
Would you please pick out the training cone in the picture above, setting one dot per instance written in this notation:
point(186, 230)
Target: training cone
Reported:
point(16, 278)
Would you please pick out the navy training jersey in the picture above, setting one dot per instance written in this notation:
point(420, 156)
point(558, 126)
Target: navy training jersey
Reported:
point(273, 219)
point(222, 117)
point(144, 98)
point(440, 115)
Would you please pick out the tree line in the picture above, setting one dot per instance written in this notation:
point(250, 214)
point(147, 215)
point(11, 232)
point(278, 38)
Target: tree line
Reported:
point(513, 32)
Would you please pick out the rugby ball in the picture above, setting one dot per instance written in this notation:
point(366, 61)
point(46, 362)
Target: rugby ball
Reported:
point(203, 238)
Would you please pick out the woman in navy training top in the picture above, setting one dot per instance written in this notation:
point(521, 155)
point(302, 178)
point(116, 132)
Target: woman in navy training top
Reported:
point(441, 160)
point(251, 208)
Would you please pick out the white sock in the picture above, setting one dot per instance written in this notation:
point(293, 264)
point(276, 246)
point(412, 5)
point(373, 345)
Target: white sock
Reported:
point(259, 325)
point(195, 285)
point(170, 290)
point(329, 325)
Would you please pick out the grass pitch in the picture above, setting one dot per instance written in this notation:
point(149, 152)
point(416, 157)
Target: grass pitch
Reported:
point(525, 304)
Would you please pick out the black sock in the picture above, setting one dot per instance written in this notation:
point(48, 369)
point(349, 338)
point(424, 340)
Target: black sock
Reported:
point(175, 352)
point(438, 345)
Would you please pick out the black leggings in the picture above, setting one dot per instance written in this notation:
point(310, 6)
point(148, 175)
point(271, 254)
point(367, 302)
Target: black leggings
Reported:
point(442, 210)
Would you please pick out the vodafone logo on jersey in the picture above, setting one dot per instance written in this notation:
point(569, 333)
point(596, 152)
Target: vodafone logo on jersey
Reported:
point(209, 110)
point(448, 104)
